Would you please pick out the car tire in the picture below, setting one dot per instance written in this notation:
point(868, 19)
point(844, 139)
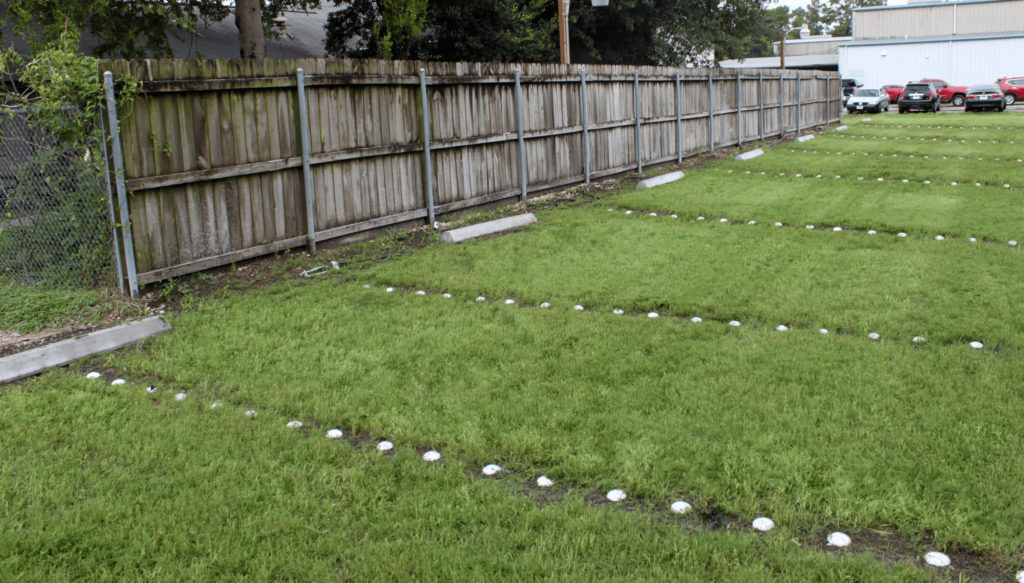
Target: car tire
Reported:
point(886, 107)
point(958, 100)
point(938, 107)
point(902, 110)
point(1011, 99)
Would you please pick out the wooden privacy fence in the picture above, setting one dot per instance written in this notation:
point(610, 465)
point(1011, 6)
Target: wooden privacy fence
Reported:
point(228, 160)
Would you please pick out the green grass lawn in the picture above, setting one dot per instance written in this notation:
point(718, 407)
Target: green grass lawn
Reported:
point(819, 431)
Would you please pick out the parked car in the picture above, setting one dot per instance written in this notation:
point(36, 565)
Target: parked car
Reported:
point(923, 96)
point(893, 91)
point(948, 93)
point(849, 87)
point(1013, 89)
point(874, 100)
point(985, 96)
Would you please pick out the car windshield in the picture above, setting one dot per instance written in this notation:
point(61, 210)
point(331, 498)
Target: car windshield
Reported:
point(868, 93)
point(917, 88)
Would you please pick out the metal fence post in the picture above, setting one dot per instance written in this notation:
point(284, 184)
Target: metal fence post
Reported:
point(122, 190)
point(586, 130)
point(711, 113)
point(828, 99)
point(307, 174)
point(760, 103)
point(115, 239)
point(739, 109)
point(522, 144)
point(798, 82)
point(636, 114)
point(782, 109)
point(428, 169)
point(679, 121)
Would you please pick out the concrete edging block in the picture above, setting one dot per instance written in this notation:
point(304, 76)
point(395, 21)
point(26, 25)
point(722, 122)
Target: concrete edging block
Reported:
point(32, 362)
point(489, 228)
point(805, 138)
point(839, 128)
point(659, 180)
point(749, 155)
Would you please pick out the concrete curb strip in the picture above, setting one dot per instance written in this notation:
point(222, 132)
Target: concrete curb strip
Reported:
point(805, 137)
point(32, 362)
point(749, 155)
point(840, 128)
point(488, 228)
point(659, 180)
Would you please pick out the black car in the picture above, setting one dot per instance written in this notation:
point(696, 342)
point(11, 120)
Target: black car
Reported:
point(986, 96)
point(849, 88)
point(919, 95)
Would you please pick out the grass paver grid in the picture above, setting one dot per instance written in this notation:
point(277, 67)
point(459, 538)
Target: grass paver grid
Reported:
point(810, 431)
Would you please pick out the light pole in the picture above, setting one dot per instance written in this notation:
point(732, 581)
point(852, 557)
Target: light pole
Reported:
point(563, 27)
point(782, 46)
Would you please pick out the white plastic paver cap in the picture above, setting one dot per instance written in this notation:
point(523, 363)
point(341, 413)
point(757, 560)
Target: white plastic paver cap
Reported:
point(838, 539)
point(652, 314)
point(251, 413)
point(977, 345)
point(431, 456)
point(294, 424)
point(492, 469)
point(335, 434)
point(481, 299)
point(872, 231)
point(618, 312)
point(723, 220)
point(545, 482)
point(654, 214)
point(696, 319)
point(700, 218)
point(734, 323)
point(751, 222)
point(918, 339)
point(822, 330)
point(93, 375)
point(837, 229)
point(782, 327)
point(809, 227)
point(972, 239)
point(180, 397)
point(151, 389)
point(545, 304)
point(874, 335)
point(680, 507)
point(616, 495)
point(215, 404)
point(578, 308)
point(385, 446)
point(446, 295)
point(366, 286)
point(389, 290)
point(937, 559)
point(421, 293)
point(509, 302)
point(117, 382)
point(1020, 574)
point(901, 234)
point(939, 237)
point(763, 523)
point(778, 224)
point(805, 138)
point(1012, 243)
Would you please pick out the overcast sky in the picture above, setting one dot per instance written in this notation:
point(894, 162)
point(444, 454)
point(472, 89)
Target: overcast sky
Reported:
point(802, 3)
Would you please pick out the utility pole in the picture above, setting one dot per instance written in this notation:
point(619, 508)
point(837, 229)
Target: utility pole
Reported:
point(563, 31)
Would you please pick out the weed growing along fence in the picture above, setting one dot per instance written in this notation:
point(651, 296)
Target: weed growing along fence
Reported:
point(231, 160)
point(54, 219)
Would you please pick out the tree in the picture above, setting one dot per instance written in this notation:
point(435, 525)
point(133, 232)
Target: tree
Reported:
point(383, 29)
point(495, 30)
point(249, 20)
point(839, 14)
point(668, 32)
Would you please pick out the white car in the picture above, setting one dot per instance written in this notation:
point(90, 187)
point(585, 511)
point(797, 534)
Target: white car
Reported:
point(874, 100)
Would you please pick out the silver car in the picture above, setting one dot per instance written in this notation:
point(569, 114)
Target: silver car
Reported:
point(863, 100)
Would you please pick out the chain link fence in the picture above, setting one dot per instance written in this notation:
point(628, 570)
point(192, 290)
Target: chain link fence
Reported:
point(54, 218)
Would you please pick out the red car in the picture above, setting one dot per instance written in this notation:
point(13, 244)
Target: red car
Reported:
point(894, 91)
point(949, 93)
point(1013, 88)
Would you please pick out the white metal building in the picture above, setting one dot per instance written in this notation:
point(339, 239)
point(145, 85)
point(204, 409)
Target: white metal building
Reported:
point(963, 43)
